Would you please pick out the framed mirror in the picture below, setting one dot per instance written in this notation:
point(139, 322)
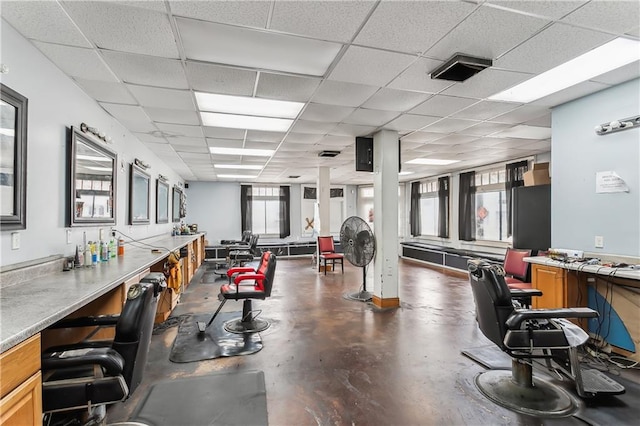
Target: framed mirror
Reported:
point(162, 201)
point(177, 199)
point(139, 186)
point(13, 159)
point(92, 181)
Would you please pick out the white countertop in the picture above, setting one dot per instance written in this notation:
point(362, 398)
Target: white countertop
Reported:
point(628, 273)
point(30, 307)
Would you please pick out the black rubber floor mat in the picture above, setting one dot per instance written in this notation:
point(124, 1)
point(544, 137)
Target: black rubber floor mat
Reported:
point(490, 357)
point(217, 399)
point(191, 345)
point(609, 410)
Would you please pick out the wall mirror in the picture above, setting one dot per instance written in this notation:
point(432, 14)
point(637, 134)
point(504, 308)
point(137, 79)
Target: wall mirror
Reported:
point(92, 181)
point(177, 199)
point(139, 184)
point(162, 201)
point(13, 159)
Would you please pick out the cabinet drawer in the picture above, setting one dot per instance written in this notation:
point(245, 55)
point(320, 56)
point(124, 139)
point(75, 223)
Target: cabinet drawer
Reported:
point(19, 363)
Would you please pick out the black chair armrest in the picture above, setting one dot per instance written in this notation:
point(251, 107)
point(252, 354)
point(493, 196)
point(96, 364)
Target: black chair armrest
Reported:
point(515, 321)
point(108, 359)
point(93, 321)
point(525, 292)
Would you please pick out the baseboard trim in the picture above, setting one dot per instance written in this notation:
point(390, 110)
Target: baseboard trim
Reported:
point(391, 302)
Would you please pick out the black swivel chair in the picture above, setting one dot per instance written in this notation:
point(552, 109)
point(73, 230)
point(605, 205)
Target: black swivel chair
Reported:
point(239, 255)
point(80, 379)
point(528, 334)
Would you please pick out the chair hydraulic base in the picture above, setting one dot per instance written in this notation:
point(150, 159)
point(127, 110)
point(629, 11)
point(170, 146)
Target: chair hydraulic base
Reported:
point(518, 391)
point(248, 323)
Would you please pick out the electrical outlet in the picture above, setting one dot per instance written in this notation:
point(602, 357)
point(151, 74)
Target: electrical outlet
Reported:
point(68, 236)
point(599, 243)
point(15, 240)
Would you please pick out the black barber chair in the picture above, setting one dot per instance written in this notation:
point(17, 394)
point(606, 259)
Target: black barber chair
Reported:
point(528, 334)
point(80, 379)
point(239, 255)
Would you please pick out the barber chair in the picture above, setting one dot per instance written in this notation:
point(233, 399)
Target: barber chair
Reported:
point(246, 283)
point(79, 380)
point(526, 335)
point(246, 236)
point(239, 255)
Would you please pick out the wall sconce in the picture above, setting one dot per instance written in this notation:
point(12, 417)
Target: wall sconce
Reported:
point(163, 178)
point(141, 164)
point(618, 125)
point(95, 132)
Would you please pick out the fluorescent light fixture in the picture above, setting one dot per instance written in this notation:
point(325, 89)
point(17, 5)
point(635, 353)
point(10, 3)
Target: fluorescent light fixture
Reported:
point(238, 166)
point(213, 119)
point(7, 132)
point(93, 158)
point(608, 57)
point(237, 176)
point(247, 106)
point(404, 173)
point(241, 151)
point(431, 161)
point(99, 169)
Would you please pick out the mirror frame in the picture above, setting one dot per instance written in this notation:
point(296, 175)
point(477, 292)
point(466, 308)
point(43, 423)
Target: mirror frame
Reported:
point(160, 200)
point(136, 170)
point(175, 206)
point(18, 218)
point(77, 136)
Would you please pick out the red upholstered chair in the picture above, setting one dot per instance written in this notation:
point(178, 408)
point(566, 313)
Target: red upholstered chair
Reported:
point(516, 269)
point(327, 253)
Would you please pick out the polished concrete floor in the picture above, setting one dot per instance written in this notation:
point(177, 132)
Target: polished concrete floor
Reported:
point(332, 361)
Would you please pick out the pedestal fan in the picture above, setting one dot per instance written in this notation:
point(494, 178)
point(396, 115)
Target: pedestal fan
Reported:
point(359, 247)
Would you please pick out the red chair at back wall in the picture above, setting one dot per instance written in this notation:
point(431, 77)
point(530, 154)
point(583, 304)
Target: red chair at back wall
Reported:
point(327, 253)
point(516, 269)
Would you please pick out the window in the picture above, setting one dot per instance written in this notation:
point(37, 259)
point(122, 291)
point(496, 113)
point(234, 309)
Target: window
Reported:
point(365, 206)
point(491, 205)
point(429, 212)
point(265, 210)
point(309, 213)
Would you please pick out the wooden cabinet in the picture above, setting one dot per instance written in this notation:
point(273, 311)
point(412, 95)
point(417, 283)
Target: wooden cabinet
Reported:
point(552, 282)
point(21, 385)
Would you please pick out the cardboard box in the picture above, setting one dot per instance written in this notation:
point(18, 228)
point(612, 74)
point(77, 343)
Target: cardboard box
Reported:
point(538, 176)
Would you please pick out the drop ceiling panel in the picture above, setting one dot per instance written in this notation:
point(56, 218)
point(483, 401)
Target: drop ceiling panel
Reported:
point(180, 141)
point(370, 117)
point(43, 21)
point(175, 116)
point(146, 70)
point(77, 62)
point(225, 143)
point(417, 77)
point(422, 137)
point(104, 91)
point(251, 48)
point(485, 110)
point(442, 106)
point(324, 113)
point(621, 16)
point(486, 83)
point(151, 139)
point(302, 138)
point(127, 29)
point(485, 128)
point(370, 66)
point(286, 88)
point(342, 93)
point(315, 127)
point(223, 133)
point(249, 13)
point(410, 122)
point(549, 9)
point(261, 136)
point(573, 92)
point(132, 117)
point(218, 79)
point(162, 98)
point(260, 145)
point(525, 132)
point(455, 139)
point(326, 20)
point(487, 33)
point(194, 149)
point(180, 130)
point(522, 114)
point(395, 100)
point(195, 158)
point(448, 125)
point(620, 75)
point(410, 26)
point(552, 47)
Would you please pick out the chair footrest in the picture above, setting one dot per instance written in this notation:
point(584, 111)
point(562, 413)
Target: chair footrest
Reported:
point(595, 382)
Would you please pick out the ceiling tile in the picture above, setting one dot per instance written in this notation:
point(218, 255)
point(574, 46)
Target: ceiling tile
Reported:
point(105, 91)
point(543, 121)
point(409, 122)
point(224, 133)
point(620, 75)
point(551, 47)
point(370, 66)
point(344, 129)
point(146, 70)
point(77, 62)
point(522, 114)
point(162, 98)
point(302, 138)
point(622, 16)
point(410, 26)
point(43, 20)
point(326, 20)
point(286, 88)
point(522, 131)
point(487, 33)
point(260, 145)
point(315, 127)
point(180, 130)
point(249, 13)
point(550, 9)
point(224, 143)
point(395, 100)
point(486, 83)
point(245, 47)
point(218, 79)
point(175, 116)
point(132, 117)
point(194, 149)
point(336, 141)
point(127, 29)
point(485, 128)
point(341, 93)
point(199, 158)
point(447, 125)
point(417, 77)
point(442, 106)
point(485, 110)
point(454, 139)
point(264, 136)
point(422, 137)
point(370, 117)
point(324, 113)
point(571, 93)
point(151, 139)
point(156, 5)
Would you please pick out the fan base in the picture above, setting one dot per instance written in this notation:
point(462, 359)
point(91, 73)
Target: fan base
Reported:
point(361, 296)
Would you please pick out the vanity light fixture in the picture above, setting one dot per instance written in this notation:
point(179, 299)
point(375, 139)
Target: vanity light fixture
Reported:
point(163, 178)
point(618, 125)
point(138, 162)
point(85, 128)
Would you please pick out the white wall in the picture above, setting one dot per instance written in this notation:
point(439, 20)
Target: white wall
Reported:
point(56, 103)
point(578, 212)
point(215, 207)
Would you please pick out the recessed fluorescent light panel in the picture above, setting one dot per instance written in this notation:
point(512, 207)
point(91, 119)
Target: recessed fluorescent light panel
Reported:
point(247, 106)
point(431, 161)
point(405, 173)
point(213, 119)
point(608, 57)
point(238, 166)
point(241, 151)
point(237, 176)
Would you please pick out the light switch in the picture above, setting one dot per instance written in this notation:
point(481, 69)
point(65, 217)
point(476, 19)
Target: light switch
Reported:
point(15, 240)
point(599, 243)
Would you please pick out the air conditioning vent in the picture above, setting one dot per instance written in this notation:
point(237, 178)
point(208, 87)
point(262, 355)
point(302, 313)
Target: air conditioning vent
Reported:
point(328, 153)
point(294, 176)
point(460, 67)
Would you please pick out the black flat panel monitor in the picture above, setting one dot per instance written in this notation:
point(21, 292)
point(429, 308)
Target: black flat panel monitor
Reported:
point(364, 154)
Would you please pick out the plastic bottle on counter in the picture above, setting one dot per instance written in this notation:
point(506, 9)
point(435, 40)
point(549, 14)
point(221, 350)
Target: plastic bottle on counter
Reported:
point(121, 247)
point(94, 253)
point(112, 244)
point(88, 261)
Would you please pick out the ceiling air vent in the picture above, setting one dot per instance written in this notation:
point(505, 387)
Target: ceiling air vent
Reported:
point(294, 176)
point(460, 67)
point(328, 153)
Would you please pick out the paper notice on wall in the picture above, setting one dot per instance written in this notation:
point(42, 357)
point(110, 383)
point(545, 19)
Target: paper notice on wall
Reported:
point(610, 182)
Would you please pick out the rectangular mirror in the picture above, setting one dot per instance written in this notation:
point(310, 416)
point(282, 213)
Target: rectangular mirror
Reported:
point(92, 181)
point(177, 199)
point(139, 184)
point(162, 201)
point(13, 159)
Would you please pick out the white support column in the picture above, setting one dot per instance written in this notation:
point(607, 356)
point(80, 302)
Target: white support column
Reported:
point(385, 223)
point(323, 200)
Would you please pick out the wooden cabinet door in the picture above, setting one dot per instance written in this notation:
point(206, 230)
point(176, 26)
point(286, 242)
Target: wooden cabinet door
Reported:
point(552, 282)
point(23, 406)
